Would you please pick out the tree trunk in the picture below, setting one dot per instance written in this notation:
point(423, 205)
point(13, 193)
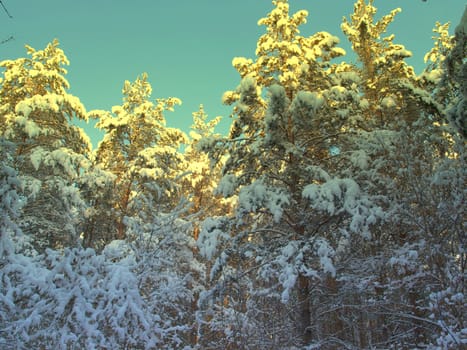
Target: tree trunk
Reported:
point(123, 209)
point(303, 310)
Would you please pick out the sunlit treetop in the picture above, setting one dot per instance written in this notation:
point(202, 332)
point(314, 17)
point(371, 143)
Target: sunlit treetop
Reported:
point(363, 23)
point(201, 127)
point(389, 85)
point(443, 43)
point(138, 148)
point(201, 175)
point(36, 104)
point(137, 124)
point(284, 56)
point(366, 35)
point(45, 73)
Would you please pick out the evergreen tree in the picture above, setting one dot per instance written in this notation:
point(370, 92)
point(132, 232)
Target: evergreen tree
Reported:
point(325, 192)
point(202, 175)
point(342, 223)
point(405, 145)
point(281, 164)
point(141, 152)
point(456, 77)
point(75, 299)
point(50, 153)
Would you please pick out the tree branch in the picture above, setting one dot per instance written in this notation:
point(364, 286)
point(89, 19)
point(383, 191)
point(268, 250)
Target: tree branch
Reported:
point(6, 40)
point(6, 10)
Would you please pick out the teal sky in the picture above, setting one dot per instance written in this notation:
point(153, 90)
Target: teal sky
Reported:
point(186, 46)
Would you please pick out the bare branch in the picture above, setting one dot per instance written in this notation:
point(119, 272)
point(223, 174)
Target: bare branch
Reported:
point(6, 40)
point(5, 9)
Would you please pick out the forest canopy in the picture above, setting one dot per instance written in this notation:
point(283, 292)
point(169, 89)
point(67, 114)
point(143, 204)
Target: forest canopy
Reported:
point(331, 216)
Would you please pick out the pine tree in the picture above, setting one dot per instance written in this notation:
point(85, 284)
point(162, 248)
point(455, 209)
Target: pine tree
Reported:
point(292, 112)
point(406, 144)
point(324, 191)
point(456, 76)
point(202, 175)
point(141, 152)
point(382, 67)
point(36, 116)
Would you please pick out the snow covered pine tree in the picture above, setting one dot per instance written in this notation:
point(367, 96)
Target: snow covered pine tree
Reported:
point(35, 115)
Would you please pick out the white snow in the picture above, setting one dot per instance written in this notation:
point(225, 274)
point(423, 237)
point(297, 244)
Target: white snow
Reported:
point(325, 253)
point(253, 197)
point(211, 236)
point(241, 62)
point(37, 157)
point(309, 100)
point(227, 185)
point(360, 159)
point(343, 196)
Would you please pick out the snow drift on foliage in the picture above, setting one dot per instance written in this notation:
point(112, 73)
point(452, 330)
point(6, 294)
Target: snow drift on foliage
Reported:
point(78, 298)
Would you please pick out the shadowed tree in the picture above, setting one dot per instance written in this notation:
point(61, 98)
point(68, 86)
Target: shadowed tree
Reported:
point(325, 193)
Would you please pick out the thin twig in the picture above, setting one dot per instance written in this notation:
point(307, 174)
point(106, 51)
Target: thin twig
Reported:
point(5, 9)
point(6, 40)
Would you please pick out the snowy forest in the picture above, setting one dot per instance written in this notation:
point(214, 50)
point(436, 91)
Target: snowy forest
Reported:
point(331, 216)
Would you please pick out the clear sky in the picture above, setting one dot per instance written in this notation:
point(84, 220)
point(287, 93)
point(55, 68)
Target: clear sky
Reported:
point(186, 46)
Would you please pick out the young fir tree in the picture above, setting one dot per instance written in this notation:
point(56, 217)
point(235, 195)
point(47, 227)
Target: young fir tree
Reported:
point(141, 152)
point(198, 185)
point(50, 153)
point(202, 175)
point(76, 298)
